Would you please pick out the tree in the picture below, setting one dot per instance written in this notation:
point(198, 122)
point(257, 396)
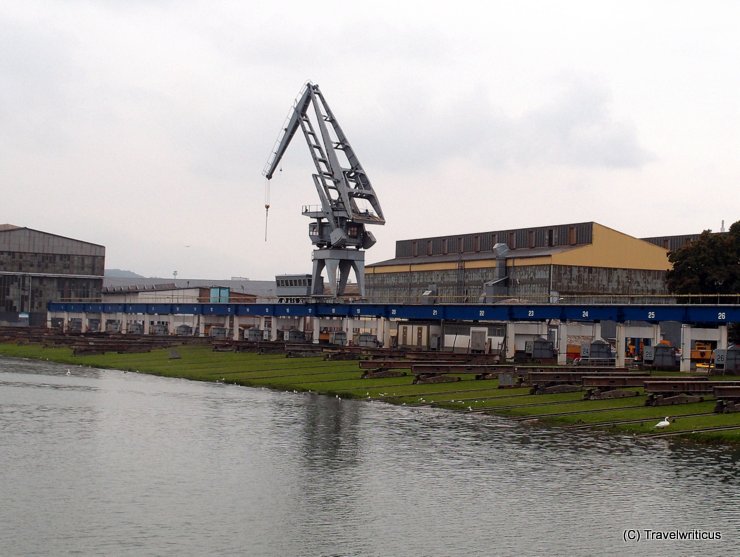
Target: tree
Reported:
point(709, 265)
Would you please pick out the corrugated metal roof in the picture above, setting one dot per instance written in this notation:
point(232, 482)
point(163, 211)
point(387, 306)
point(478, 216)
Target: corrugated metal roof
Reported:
point(672, 243)
point(31, 232)
point(24, 240)
point(521, 253)
point(529, 238)
point(507, 231)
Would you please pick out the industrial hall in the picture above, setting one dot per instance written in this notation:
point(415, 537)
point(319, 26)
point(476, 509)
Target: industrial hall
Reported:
point(581, 262)
point(38, 267)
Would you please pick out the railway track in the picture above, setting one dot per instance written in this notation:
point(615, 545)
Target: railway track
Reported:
point(633, 421)
point(689, 432)
point(571, 413)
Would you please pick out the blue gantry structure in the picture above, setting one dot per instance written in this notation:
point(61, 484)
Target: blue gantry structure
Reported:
point(695, 314)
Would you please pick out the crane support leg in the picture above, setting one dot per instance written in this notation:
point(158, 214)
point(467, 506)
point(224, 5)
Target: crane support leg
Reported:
point(334, 260)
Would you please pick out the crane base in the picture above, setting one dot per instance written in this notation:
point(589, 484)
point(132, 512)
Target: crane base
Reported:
point(333, 260)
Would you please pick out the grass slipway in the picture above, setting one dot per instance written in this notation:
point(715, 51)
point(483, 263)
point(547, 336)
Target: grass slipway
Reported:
point(342, 378)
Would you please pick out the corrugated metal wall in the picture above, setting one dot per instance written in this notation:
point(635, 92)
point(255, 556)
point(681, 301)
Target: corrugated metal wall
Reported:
point(39, 267)
point(532, 282)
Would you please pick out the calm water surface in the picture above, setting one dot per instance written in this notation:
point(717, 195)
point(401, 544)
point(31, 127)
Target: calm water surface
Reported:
point(112, 463)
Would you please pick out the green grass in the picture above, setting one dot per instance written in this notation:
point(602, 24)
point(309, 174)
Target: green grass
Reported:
point(651, 414)
point(343, 378)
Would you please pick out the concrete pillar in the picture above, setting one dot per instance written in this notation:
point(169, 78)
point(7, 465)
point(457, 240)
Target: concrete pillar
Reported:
point(235, 330)
point(722, 342)
point(384, 334)
point(65, 322)
point(656, 334)
point(348, 324)
point(316, 328)
point(562, 343)
point(685, 347)
point(510, 340)
point(146, 317)
point(274, 328)
point(597, 331)
point(621, 344)
point(202, 327)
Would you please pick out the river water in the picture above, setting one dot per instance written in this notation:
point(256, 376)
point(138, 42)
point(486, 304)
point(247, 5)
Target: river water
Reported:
point(111, 463)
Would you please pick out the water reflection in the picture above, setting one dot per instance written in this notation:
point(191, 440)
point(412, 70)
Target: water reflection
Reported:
point(102, 462)
point(330, 432)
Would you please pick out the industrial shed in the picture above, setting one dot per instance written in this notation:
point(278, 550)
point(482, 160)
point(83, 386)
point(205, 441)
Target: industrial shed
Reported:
point(163, 293)
point(585, 261)
point(37, 267)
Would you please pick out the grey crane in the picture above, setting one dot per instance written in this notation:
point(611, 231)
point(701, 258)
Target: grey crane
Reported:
point(348, 201)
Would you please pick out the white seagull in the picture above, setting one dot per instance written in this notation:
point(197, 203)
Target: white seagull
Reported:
point(663, 423)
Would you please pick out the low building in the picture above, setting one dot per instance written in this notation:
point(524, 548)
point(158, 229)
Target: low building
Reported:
point(164, 293)
point(172, 306)
point(263, 290)
point(38, 267)
point(587, 262)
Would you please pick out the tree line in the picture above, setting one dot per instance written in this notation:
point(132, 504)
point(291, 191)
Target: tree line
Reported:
point(708, 267)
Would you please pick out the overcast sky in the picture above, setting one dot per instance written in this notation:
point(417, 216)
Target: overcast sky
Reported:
point(144, 125)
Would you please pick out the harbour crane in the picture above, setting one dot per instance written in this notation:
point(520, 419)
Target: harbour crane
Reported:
point(348, 201)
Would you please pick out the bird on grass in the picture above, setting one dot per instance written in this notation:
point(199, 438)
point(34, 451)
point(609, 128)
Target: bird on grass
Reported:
point(663, 423)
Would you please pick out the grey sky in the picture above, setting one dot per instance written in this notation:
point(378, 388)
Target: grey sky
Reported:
point(144, 126)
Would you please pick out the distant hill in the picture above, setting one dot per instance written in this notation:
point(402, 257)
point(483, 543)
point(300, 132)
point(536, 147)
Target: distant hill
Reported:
point(120, 273)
